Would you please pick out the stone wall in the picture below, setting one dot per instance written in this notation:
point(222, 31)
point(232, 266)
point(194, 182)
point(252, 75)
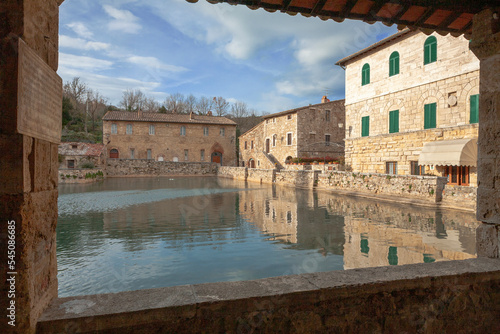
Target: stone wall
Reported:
point(461, 197)
point(428, 188)
point(261, 175)
point(144, 167)
point(237, 173)
point(297, 178)
point(77, 175)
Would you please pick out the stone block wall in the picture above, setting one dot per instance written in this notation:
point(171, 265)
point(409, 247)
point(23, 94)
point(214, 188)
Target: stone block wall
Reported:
point(261, 175)
point(145, 167)
point(77, 175)
point(237, 173)
point(297, 178)
point(428, 188)
point(460, 197)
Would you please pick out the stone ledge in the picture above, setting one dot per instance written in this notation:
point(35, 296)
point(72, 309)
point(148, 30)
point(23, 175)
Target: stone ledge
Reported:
point(227, 305)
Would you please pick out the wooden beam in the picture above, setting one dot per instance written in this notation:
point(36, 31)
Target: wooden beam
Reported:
point(421, 20)
point(347, 8)
point(318, 7)
point(449, 20)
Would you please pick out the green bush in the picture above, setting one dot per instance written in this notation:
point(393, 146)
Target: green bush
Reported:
point(87, 164)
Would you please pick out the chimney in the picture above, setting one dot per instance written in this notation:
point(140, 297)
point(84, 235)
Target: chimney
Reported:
point(324, 99)
point(139, 113)
point(209, 113)
point(191, 116)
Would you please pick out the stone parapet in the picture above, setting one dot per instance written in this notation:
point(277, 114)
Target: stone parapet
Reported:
point(237, 173)
point(142, 167)
point(297, 178)
point(81, 175)
point(261, 175)
point(460, 196)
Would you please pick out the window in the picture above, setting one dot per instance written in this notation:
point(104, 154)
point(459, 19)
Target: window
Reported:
point(289, 138)
point(114, 154)
point(205, 131)
point(365, 75)
point(458, 175)
point(71, 163)
point(129, 129)
point(183, 130)
point(392, 257)
point(430, 116)
point(274, 140)
point(149, 153)
point(327, 140)
point(151, 129)
point(365, 126)
point(251, 144)
point(474, 109)
point(365, 249)
point(245, 144)
point(114, 129)
point(417, 169)
point(132, 153)
point(74, 146)
point(394, 121)
point(430, 50)
point(394, 63)
point(222, 132)
point(202, 155)
point(391, 167)
point(274, 119)
point(289, 116)
point(327, 115)
point(186, 155)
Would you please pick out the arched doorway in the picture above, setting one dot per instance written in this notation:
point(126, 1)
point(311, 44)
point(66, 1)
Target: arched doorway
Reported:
point(267, 145)
point(114, 154)
point(216, 157)
point(251, 163)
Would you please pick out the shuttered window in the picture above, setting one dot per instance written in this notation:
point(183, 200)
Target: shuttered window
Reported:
point(365, 126)
point(474, 108)
point(430, 116)
point(394, 121)
point(365, 75)
point(394, 63)
point(430, 50)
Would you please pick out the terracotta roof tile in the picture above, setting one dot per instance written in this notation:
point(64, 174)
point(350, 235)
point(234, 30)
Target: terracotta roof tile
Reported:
point(166, 118)
point(281, 113)
point(82, 149)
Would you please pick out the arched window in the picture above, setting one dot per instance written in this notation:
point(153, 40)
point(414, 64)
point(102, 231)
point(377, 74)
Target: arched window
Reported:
point(394, 63)
point(430, 50)
point(365, 74)
point(113, 154)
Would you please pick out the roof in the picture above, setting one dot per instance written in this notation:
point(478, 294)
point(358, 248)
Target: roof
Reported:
point(444, 16)
point(165, 118)
point(281, 113)
point(82, 149)
point(387, 40)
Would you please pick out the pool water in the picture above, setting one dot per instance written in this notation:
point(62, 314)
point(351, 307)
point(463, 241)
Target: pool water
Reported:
point(127, 234)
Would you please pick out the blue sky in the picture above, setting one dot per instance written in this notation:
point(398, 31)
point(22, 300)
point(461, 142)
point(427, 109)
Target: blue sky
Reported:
point(271, 61)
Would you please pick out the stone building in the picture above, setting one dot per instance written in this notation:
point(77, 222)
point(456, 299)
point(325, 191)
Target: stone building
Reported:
point(315, 131)
point(170, 137)
point(75, 154)
point(412, 105)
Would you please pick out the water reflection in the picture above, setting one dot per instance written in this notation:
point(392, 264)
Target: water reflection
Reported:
point(129, 234)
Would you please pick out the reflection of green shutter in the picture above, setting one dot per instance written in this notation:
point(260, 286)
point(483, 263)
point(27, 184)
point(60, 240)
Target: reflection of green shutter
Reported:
point(474, 108)
point(393, 256)
point(430, 116)
point(364, 245)
point(394, 121)
point(365, 126)
point(428, 258)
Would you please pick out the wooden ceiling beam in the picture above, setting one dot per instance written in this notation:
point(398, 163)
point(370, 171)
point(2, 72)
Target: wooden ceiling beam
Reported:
point(346, 11)
point(449, 20)
point(421, 20)
point(318, 7)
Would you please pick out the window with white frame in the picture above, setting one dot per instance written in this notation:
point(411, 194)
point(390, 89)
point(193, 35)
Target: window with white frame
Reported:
point(183, 130)
point(151, 129)
point(205, 131)
point(222, 132)
point(186, 155)
point(202, 155)
point(129, 129)
point(150, 155)
point(114, 129)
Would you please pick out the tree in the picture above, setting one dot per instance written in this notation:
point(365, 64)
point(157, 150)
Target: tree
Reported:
point(175, 103)
point(220, 106)
point(67, 108)
point(95, 107)
point(204, 105)
point(76, 91)
point(132, 100)
point(190, 103)
point(239, 109)
point(150, 105)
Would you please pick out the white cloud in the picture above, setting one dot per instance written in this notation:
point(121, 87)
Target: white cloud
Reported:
point(83, 63)
point(124, 20)
point(154, 64)
point(81, 44)
point(80, 29)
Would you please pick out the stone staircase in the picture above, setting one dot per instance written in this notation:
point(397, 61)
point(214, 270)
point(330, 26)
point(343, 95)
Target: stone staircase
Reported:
point(273, 160)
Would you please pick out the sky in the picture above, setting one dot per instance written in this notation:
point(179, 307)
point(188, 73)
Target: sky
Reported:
point(271, 61)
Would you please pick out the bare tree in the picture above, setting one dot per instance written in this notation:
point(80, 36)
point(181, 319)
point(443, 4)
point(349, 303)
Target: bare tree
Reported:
point(150, 105)
point(220, 106)
point(204, 105)
point(190, 103)
point(76, 91)
point(132, 100)
point(239, 109)
point(175, 103)
point(95, 107)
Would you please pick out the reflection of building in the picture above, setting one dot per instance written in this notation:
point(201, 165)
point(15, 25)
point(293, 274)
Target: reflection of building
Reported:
point(412, 104)
point(315, 131)
point(170, 137)
point(75, 154)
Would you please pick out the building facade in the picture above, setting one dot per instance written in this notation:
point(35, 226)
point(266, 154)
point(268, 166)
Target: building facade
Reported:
point(75, 155)
point(315, 131)
point(170, 137)
point(412, 107)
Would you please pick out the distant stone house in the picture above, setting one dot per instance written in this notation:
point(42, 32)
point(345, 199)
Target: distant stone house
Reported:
point(412, 107)
point(75, 155)
point(170, 137)
point(315, 131)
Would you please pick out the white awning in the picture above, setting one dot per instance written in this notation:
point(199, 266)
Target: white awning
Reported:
point(458, 152)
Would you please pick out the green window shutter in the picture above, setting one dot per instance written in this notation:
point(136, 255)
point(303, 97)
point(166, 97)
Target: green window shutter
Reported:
point(474, 108)
point(430, 116)
point(365, 126)
point(393, 256)
point(430, 50)
point(394, 63)
point(394, 121)
point(365, 74)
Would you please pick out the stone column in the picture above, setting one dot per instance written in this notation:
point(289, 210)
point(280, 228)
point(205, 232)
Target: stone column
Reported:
point(485, 44)
point(30, 101)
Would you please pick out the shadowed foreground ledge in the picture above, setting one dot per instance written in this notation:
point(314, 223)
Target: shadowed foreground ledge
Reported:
point(452, 296)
